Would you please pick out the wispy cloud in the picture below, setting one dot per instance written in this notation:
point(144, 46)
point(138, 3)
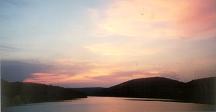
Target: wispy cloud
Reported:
point(82, 43)
point(7, 48)
point(157, 19)
point(82, 74)
point(13, 70)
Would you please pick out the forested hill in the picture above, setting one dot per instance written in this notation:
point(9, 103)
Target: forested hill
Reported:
point(14, 93)
point(155, 87)
point(196, 91)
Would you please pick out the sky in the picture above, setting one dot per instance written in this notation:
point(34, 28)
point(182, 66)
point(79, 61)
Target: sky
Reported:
point(88, 43)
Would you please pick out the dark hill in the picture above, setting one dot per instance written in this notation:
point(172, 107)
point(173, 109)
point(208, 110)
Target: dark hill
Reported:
point(197, 91)
point(91, 91)
point(201, 90)
point(14, 93)
point(154, 87)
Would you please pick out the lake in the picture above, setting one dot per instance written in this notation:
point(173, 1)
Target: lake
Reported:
point(110, 104)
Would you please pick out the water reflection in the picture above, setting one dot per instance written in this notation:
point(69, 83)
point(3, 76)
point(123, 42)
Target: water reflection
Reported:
point(109, 104)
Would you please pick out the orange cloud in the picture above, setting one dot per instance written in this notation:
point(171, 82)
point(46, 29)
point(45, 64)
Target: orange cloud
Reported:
point(56, 79)
point(46, 78)
point(119, 76)
point(123, 52)
point(61, 71)
point(156, 18)
point(199, 20)
point(108, 74)
point(79, 73)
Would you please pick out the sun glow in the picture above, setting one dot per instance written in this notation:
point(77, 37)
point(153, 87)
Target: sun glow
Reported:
point(90, 43)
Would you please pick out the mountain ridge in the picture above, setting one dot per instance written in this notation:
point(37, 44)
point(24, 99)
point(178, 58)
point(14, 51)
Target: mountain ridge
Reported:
point(201, 90)
point(16, 93)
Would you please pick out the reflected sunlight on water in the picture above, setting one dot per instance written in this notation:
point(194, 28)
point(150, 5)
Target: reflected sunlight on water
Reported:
point(109, 104)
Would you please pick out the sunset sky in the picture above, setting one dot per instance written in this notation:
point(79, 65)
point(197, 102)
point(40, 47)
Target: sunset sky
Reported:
point(86, 43)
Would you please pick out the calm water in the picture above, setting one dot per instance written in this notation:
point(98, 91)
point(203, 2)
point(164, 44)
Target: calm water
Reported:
point(109, 104)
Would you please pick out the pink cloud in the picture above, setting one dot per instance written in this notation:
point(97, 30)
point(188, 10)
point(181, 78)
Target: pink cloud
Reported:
point(46, 78)
point(157, 18)
point(60, 73)
point(199, 20)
